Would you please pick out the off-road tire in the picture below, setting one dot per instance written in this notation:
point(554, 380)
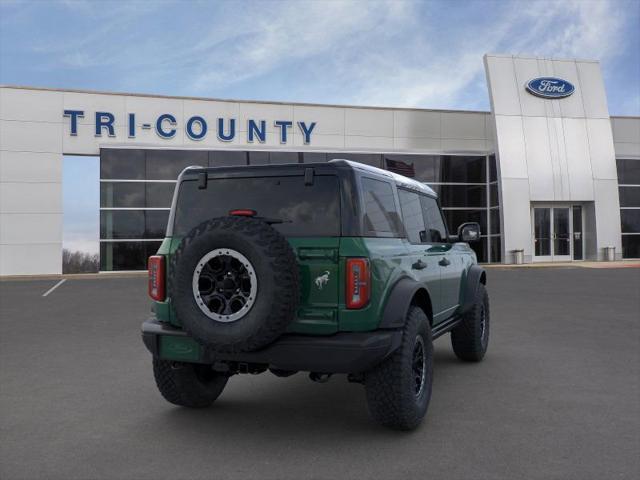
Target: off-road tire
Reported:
point(470, 338)
point(188, 384)
point(390, 386)
point(277, 274)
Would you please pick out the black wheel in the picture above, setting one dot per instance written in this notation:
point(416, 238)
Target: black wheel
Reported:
point(188, 384)
point(470, 338)
point(399, 389)
point(234, 284)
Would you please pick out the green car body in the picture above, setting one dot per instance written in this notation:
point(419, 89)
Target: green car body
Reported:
point(441, 277)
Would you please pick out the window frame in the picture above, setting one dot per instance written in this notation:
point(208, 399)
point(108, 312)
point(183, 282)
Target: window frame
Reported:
point(400, 231)
point(404, 225)
point(444, 221)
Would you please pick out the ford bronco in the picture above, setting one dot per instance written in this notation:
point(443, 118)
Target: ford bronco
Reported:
point(325, 268)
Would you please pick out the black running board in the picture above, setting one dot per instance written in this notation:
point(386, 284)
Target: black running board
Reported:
point(446, 326)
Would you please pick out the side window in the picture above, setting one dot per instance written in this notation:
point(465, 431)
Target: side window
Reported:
point(436, 231)
point(380, 213)
point(412, 215)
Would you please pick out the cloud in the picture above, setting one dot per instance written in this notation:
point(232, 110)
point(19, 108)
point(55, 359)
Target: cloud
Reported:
point(392, 53)
point(276, 38)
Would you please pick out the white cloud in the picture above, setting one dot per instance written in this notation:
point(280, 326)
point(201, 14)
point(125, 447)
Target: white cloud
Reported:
point(387, 52)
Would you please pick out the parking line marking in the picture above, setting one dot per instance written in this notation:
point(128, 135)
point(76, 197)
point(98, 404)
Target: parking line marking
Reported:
point(54, 287)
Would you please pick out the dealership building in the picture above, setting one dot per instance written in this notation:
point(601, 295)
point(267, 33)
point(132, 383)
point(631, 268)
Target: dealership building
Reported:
point(548, 173)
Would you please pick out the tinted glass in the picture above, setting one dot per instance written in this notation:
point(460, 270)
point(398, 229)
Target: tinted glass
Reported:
point(577, 232)
point(258, 158)
point(307, 210)
point(495, 221)
point(420, 167)
point(126, 255)
point(630, 221)
point(493, 195)
point(629, 196)
point(462, 169)
point(167, 164)
point(480, 247)
point(496, 252)
point(542, 231)
point(284, 157)
point(311, 157)
point(631, 246)
point(493, 169)
point(628, 171)
point(123, 164)
point(226, 158)
point(122, 195)
point(373, 159)
point(159, 195)
point(436, 231)
point(412, 215)
point(455, 218)
point(121, 224)
point(156, 223)
point(380, 213)
point(470, 196)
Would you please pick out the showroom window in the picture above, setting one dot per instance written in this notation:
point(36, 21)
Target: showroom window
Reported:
point(137, 185)
point(629, 191)
point(467, 187)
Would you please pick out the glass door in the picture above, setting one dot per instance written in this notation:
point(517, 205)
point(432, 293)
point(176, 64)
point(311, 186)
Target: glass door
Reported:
point(561, 234)
point(557, 233)
point(542, 233)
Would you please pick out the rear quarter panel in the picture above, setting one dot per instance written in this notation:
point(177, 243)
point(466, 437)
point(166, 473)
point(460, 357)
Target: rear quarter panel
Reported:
point(389, 261)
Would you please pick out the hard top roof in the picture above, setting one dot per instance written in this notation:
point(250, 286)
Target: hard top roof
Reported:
point(399, 180)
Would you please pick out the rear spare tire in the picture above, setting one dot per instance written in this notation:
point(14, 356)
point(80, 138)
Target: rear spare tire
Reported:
point(234, 284)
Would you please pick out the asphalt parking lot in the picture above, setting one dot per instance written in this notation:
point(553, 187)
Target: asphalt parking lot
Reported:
point(558, 395)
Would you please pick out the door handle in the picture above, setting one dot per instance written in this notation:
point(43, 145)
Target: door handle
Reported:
point(444, 262)
point(419, 265)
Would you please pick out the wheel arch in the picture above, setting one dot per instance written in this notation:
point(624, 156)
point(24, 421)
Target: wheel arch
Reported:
point(404, 293)
point(475, 276)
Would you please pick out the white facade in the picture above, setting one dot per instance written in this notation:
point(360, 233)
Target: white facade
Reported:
point(548, 150)
point(559, 151)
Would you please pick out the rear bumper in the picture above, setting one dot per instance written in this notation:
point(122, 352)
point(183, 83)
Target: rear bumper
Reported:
point(347, 352)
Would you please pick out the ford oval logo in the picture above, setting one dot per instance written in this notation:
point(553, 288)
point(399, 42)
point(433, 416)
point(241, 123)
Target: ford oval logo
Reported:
point(550, 87)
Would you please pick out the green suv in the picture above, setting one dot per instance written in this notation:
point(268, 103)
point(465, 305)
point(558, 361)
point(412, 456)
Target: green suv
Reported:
point(326, 268)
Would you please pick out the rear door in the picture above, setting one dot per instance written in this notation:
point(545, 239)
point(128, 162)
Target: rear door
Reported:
point(424, 265)
point(440, 251)
point(319, 282)
point(305, 211)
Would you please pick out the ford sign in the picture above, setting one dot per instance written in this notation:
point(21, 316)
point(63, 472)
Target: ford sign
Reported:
point(550, 87)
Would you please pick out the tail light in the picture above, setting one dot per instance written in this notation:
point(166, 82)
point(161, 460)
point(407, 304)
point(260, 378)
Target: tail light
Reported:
point(358, 282)
point(156, 277)
point(242, 212)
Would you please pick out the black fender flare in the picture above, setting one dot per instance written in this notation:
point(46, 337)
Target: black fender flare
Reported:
point(475, 276)
point(399, 300)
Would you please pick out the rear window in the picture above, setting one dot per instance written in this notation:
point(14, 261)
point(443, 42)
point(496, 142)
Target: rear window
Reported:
point(306, 210)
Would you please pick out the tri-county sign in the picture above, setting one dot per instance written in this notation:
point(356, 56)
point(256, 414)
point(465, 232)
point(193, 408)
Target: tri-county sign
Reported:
point(196, 127)
point(550, 87)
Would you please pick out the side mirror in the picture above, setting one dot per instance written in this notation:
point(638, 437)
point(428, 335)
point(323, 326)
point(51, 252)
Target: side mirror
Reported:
point(469, 232)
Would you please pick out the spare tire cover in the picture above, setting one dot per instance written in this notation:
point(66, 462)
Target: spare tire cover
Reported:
point(234, 284)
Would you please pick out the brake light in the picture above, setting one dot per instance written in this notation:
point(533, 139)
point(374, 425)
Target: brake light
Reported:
point(358, 282)
point(243, 212)
point(156, 277)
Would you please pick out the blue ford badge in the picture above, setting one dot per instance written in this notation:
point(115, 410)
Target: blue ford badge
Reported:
point(550, 87)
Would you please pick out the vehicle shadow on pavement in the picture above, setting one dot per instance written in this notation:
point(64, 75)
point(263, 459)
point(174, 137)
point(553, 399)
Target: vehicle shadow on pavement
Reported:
point(253, 406)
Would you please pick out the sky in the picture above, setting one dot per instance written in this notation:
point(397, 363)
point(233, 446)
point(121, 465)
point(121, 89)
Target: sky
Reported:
point(380, 53)
point(389, 53)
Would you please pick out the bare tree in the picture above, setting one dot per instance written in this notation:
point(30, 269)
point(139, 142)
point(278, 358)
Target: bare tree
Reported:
point(79, 262)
